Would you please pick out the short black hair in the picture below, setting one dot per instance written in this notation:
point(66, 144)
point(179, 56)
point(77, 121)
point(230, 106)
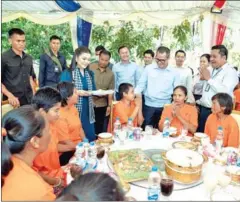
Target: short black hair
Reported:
point(15, 31)
point(105, 52)
point(149, 51)
point(55, 37)
point(164, 49)
point(121, 47)
point(224, 100)
point(66, 90)
point(180, 51)
point(182, 88)
point(93, 187)
point(124, 88)
point(223, 51)
point(46, 98)
point(99, 48)
point(207, 56)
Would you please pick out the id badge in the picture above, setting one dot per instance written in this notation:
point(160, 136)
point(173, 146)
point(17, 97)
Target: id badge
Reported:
point(56, 69)
point(207, 88)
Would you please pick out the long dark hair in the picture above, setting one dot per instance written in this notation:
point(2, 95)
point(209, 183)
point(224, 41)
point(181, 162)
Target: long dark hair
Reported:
point(79, 51)
point(93, 187)
point(21, 125)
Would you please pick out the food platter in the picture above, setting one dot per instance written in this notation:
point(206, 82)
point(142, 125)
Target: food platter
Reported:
point(101, 92)
point(130, 165)
point(184, 145)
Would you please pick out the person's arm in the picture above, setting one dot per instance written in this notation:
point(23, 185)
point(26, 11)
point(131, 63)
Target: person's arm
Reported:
point(64, 66)
point(115, 77)
point(120, 112)
point(110, 96)
point(233, 135)
point(191, 126)
point(11, 98)
point(52, 180)
point(207, 127)
point(190, 88)
point(42, 70)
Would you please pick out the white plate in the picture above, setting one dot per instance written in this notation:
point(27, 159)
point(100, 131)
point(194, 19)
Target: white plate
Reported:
point(102, 92)
point(105, 135)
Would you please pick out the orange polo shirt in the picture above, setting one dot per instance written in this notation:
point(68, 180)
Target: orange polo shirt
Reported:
point(230, 130)
point(25, 184)
point(237, 99)
point(48, 161)
point(187, 112)
point(69, 126)
point(123, 113)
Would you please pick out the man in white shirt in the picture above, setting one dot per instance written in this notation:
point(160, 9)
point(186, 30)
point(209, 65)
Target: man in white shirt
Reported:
point(185, 74)
point(222, 78)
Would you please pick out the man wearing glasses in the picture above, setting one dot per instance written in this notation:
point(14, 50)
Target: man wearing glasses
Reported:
point(158, 80)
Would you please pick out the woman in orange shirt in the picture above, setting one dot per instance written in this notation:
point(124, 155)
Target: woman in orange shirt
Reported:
point(126, 108)
point(70, 131)
point(180, 114)
point(48, 101)
point(27, 135)
point(222, 105)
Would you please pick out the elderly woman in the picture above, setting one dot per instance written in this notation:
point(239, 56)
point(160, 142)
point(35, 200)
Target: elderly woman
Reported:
point(181, 115)
point(222, 105)
point(83, 80)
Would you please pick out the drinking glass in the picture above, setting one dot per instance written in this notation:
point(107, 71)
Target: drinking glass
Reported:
point(149, 131)
point(166, 186)
point(100, 156)
point(122, 136)
point(184, 132)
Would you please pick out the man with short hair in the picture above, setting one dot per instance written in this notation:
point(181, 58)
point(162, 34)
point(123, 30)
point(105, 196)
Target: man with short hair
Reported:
point(17, 71)
point(104, 80)
point(220, 78)
point(52, 63)
point(125, 71)
point(158, 80)
point(185, 74)
point(148, 56)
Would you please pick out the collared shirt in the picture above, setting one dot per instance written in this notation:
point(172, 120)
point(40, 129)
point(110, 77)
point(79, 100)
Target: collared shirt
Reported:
point(126, 73)
point(48, 76)
point(223, 80)
point(158, 85)
point(110, 65)
point(16, 72)
point(104, 80)
point(186, 80)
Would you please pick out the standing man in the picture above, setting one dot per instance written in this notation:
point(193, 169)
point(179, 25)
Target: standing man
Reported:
point(148, 56)
point(158, 80)
point(185, 74)
point(52, 63)
point(221, 78)
point(17, 71)
point(104, 80)
point(125, 71)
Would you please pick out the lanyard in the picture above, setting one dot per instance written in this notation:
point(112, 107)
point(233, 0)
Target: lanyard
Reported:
point(214, 75)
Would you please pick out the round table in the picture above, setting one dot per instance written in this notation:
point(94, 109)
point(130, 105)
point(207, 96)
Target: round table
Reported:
point(138, 190)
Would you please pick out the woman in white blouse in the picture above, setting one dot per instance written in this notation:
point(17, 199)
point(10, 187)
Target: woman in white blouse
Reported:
point(198, 82)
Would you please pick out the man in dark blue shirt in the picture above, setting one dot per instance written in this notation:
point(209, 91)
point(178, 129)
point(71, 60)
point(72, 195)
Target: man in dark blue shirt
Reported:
point(52, 63)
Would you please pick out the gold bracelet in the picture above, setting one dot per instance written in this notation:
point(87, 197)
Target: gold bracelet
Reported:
point(60, 181)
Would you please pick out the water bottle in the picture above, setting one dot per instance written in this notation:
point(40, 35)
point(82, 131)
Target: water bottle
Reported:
point(130, 128)
point(86, 147)
point(80, 150)
point(117, 127)
point(219, 140)
point(166, 127)
point(154, 184)
point(92, 156)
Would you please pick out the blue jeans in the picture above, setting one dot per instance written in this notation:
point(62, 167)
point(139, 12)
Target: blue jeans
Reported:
point(151, 115)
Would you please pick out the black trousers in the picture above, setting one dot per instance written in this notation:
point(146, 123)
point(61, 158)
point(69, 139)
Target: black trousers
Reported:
point(65, 157)
point(152, 115)
point(204, 112)
point(100, 117)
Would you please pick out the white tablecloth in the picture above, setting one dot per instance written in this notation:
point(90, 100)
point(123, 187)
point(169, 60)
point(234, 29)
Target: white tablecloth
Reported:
point(197, 193)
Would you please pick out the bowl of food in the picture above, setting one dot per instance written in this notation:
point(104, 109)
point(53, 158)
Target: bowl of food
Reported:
point(105, 138)
point(173, 131)
point(184, 145)
point(198, 136)
point(184, 165)
point(234, 173)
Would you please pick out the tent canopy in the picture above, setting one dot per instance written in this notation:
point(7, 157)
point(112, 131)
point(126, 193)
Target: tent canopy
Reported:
point(96, 12)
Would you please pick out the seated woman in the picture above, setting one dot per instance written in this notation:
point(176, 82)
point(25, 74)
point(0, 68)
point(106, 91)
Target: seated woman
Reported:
point(48, 101)
point(180, 114)
point(222, 105)
point(70, 131)
point(26, 136)
point(93, 187)
point(125, 108)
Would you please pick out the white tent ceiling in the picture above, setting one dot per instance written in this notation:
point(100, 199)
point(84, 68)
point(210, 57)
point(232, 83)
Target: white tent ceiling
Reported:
point(156, 12)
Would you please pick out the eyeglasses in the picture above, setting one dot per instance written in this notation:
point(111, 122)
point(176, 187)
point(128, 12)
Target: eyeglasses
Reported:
point(160, 60)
